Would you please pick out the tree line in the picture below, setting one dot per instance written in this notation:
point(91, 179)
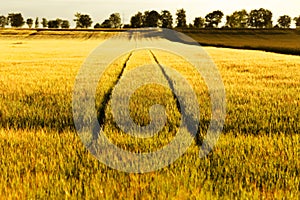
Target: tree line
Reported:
point(257, 18)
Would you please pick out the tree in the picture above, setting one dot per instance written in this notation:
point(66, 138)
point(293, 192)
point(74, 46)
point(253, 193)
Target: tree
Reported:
point(152, 19)
point(284, 21)
point(83, 21)
point(238, 19)
point(214, 18)
point(297, 20)
point(29, 22)
point(261, 18)
point(36, 22)
point(97, 25)
point(144, 18)
point(44, 22)
point(115, 20)
point(53, 24)
point(3, 21)
point(126, 26)
point(136, 21)
point(198, 22)
point(59, 21)
point(166, 19)
point(65, 24)
point(106, 24)
point(16, 19)
point(181, 18)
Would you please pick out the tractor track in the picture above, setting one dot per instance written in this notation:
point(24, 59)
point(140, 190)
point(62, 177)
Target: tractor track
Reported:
point(169, 80)
point(106, 99)
point(188, 119)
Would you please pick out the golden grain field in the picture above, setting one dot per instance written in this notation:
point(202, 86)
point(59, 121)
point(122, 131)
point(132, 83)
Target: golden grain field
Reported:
point(41, 156)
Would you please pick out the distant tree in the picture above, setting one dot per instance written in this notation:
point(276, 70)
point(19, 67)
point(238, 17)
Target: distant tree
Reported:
point(144, 18)
point(267, 16)
point(214, 18)
point(136, 21)
point(97, 25)
point(83, 21)
point(238, 19)
point(65, 24)
point(199, 22)
point(297, 20)
point(181, 18)
point(284, 21)
point(106, 24)
point(3, 21)
point(115, 20)
point(126, 26)
point(36, 23)
point(53, 24)
point(166, 19)
point(29, 22)
point(77, 17)
point(15, 19)
point(152, 19)
point(261, 18)
point(59, 21)
point(44, 22)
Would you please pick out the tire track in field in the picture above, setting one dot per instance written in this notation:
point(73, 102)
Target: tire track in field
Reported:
point(169, 80)
point(106, 99)
point(188, 120)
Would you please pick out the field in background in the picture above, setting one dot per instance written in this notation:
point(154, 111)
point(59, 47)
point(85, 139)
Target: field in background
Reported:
point(272, 40)
point(284, 41)
point(41, 155)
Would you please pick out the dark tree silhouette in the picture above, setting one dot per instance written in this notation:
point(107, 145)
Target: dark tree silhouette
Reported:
point(3, 21)
point(238, 19)
point(261, 18)
point(284, 21)
point(297, 21)
point(136, 21)
point(152, 19)
point(126, 26)
point(145, 15)
point(36, 23)
point(65, 24)
point(29, 22)
point(15, 19)
point(97, 25)
point(181, 18)
point(44, 23)
point(83, 21)
point(214, 18)
point(198, 22)
point(115, 20)
point(106, 24)
point(53, 24)
point(59, 21)
point(166, 19)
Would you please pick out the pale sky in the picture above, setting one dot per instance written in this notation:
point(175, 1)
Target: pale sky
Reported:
point(101, 9)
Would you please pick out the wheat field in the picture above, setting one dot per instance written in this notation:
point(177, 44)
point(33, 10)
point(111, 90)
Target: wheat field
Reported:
point(41, 156)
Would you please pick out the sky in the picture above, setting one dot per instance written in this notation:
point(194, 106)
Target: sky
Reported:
point(101, 9)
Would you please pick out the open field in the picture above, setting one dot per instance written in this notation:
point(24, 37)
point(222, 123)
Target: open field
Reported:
point(284, 41)
point(41, 156)
point(272, 40)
